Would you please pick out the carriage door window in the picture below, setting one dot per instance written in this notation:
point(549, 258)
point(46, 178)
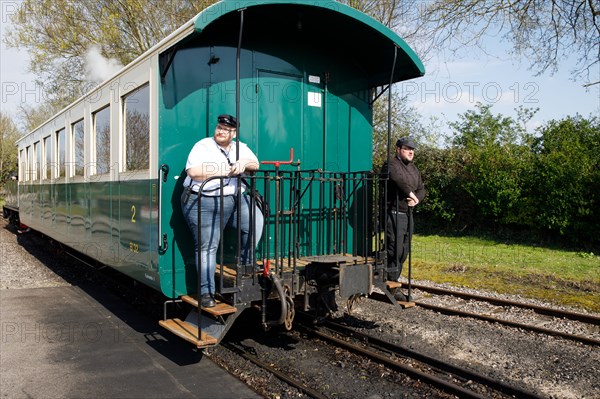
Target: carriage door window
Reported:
point(102, 140)
point(47, 171)
point(60, 153)
point(137, 129)
point(78, 147)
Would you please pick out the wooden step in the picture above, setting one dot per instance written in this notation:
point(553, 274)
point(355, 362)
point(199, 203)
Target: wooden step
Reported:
point(396, 284)
point(220, 309)
point(393, 284)
point(188, 332)
point(405, 304)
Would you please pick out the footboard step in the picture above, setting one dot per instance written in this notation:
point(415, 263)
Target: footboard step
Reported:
point(220, 309)
point(188, 332)
point(405, 304)
point(396, 284)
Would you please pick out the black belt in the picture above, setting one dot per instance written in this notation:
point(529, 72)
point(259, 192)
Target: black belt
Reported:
point(398, 212)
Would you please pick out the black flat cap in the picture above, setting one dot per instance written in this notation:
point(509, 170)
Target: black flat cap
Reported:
point(228, 120)
point(407, 142)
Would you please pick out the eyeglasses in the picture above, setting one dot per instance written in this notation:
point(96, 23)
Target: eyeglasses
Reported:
point(226, 129)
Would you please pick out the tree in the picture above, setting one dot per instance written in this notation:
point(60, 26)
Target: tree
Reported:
point(543, 31)
point(58, 33)
point(478, 128)
point(9, 134)
point(566, 177)
point(443, 171)
point(498, 161)
point(138, 142)
point(406, 121)
point(401, 16)
point(33, 116)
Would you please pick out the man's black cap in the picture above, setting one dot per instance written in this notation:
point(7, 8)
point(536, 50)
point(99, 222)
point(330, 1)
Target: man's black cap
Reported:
point(407, 142)
point(228, 120)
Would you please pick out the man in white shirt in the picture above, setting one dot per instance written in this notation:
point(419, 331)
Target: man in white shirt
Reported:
point(213, 170)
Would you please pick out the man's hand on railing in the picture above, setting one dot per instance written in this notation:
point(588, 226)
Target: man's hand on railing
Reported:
point(239, 167)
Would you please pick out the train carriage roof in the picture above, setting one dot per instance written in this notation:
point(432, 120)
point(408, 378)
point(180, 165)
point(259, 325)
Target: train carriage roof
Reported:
point(325, 28)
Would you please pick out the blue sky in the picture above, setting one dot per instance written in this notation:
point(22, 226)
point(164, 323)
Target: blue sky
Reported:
point(448, 89)
point(451, 88)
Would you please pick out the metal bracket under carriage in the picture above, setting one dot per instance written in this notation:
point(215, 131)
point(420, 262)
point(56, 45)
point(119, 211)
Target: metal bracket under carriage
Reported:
point(316, 285)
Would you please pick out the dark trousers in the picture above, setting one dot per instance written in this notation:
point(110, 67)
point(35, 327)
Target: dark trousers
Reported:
point(396, 231)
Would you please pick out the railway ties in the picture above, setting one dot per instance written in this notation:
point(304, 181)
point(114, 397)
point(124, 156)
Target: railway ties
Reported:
point(538, 325)
point(435, 372)
point(285, 377)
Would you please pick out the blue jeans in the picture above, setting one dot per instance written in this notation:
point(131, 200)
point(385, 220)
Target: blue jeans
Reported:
point(210, 231)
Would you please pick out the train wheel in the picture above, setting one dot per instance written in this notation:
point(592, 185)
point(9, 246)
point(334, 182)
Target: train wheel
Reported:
point(291, 311)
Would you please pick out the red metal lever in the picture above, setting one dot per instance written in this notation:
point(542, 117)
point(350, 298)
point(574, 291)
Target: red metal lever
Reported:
point(279, 163)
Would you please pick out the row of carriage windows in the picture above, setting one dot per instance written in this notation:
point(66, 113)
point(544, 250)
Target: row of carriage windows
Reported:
point(47, 159)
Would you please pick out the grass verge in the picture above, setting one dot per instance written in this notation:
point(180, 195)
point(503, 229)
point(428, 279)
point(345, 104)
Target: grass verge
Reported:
point(558, 276)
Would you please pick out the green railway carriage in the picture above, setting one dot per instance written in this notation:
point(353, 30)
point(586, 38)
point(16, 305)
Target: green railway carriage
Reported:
point(104, 176)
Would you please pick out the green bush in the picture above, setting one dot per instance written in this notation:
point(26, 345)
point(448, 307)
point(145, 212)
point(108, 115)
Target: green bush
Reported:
point(566, 180)
point(496, 174)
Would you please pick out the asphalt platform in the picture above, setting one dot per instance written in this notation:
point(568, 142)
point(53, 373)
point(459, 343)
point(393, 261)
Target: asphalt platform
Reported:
point(74, 342)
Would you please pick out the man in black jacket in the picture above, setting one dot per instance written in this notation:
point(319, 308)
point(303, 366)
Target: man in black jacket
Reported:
point(405, 189)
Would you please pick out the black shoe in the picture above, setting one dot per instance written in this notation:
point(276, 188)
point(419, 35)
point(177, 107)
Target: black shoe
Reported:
point(401, 297)
point(207, 301)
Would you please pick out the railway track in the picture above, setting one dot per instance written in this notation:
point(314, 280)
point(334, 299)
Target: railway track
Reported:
point(420, 372)
point(436, 372)
point(285, 377)
point(540, 315)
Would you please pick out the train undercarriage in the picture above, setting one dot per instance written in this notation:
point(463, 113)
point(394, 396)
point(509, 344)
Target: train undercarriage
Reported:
point(323, 286)
point(328, 226)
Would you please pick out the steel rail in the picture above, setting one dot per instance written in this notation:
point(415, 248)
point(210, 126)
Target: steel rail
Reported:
point(462, 313)
point(586, 318)
point(479, 316)
point(397, 350)
point(282, 376)
point(403, 351)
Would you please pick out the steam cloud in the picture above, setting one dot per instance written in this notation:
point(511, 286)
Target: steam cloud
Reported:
point(97, 67)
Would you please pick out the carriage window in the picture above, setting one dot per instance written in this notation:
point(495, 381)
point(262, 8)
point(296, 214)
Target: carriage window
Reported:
point(47, 171)
point(137, 129)
point(38, 161)
point(22, 166)
point(78, 147)
point(60, 153)
point(29, 161)
point(102, 140)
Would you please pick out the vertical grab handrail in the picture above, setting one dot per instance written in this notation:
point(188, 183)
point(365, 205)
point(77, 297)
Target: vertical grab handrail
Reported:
point(237, 147)
point(162, 178)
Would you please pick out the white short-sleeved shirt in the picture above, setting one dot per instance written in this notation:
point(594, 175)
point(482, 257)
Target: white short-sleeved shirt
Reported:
point(208, 151)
